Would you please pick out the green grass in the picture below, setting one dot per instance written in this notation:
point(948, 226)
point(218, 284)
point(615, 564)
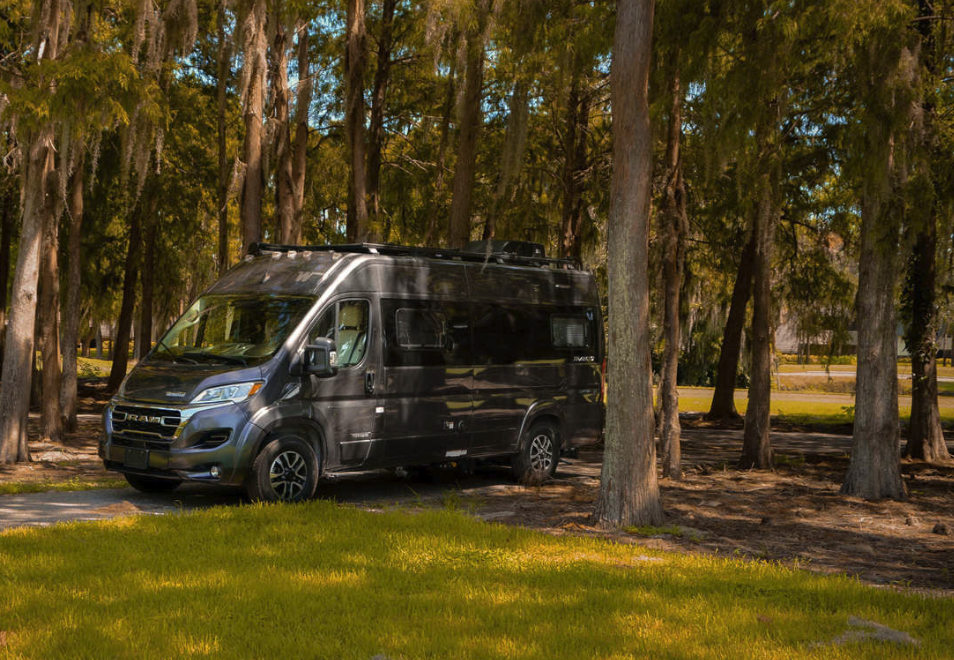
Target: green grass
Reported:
point(322, 581)
point(16, 487)
point(802, 408)
point(94, 368)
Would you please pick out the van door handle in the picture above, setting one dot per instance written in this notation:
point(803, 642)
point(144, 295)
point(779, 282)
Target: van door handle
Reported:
point(369, 382)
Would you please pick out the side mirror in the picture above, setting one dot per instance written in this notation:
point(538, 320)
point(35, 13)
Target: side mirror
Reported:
point(320, 358)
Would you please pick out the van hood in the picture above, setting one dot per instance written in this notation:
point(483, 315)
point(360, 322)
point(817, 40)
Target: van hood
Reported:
point(176, 384)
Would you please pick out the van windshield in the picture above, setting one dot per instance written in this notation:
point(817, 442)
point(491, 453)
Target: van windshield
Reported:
point(231, 329)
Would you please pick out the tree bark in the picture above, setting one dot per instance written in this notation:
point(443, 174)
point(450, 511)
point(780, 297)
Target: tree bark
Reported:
point(281, 93)
point(302, 105)
point(756, 441)
point(256, 46)
point(723, 398)
point(435, 203)
point(39, 194)
point(470, 119)
point(150, 245)
point(874, 471)
point(6, 238)
point(48, 318)
point(120, 348)
point(675, 221)
point(574, 147)
point(382, 76)
point(629, 492)
point(515, 144)
point(223, 76)
point(357, 227)
point(925, 436)
point(74, 270)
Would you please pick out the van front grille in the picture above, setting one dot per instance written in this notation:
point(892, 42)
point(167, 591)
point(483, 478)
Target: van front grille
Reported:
point(153, 424)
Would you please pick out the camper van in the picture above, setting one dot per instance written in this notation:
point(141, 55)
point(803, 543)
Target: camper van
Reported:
point(307, 362)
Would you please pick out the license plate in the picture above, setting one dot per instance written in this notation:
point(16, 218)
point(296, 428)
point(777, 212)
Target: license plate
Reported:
point(138, 459)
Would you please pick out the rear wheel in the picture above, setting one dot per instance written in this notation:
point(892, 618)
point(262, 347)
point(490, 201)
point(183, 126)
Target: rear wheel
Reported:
point(537, 460)
point(146, 484)
point(286, 470)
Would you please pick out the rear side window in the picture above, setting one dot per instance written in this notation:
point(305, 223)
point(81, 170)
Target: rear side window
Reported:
point(570, 332)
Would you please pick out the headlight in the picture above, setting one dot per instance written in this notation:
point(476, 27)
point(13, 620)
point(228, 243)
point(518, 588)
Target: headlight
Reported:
point(234, 393)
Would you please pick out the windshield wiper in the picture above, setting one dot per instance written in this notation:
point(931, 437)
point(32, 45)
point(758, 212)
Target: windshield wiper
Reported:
point(212, 357)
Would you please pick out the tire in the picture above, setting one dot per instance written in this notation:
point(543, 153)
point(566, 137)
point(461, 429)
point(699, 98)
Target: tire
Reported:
point(145, 484)
point(286, 470)
point(537, 460)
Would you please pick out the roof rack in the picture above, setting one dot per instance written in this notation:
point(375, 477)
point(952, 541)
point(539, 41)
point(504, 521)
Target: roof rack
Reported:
point(426, 252)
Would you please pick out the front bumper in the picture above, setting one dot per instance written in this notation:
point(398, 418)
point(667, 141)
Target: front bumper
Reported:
point(174, 441)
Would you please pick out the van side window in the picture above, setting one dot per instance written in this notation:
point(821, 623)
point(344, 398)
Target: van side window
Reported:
point(506, 334)
point(570, 332)
point(425, 333)
point(347, 323)
point(420, 328)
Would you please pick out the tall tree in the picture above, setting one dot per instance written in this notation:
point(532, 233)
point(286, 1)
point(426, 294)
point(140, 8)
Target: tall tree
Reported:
point(254, 52)
point(74, 274)
point(382, 77)
point(300, 144)
point(223, 78)
point(469, 118)
point(38, 194)
point(629, 492)
point(675, 227)
point(358, 228)
point(882, 69)
point(919, 305)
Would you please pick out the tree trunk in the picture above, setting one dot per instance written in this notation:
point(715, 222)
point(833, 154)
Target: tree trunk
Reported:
point(723, 398)
point(74, 270)
point(281, 93)
point(874, 471)
point(302, 105)
point(925, 436)
point(675, 221)
point(51, 427)
point(435, 203)
point(382, 77)
point(221, 95)
point(256, 46)
point(629, 492)
point(357, 228)
point(7, 207)
point(120, 337)
point(470, 119)
point(515, 143)
point(756, 441)
point(150, 245)
point(574, 165)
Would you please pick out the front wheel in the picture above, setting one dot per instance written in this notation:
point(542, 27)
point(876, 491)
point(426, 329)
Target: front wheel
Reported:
point(286, 470)
point(146, 484)
point(537, 460)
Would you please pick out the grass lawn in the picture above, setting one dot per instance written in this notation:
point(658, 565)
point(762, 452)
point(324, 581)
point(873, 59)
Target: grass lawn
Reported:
point(803, 407)
point(322, 581)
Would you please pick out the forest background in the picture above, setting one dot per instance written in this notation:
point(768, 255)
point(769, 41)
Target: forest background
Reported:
point(800, 156)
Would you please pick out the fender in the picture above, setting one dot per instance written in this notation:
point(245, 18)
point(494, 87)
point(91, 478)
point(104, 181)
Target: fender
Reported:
point(281, 414)
point(549, 407)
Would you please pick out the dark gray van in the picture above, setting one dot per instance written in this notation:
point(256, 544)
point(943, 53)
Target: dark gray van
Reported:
point(308, 361)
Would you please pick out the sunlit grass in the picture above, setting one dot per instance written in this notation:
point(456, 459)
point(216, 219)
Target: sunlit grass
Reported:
point(321, 581)
point(803, 407)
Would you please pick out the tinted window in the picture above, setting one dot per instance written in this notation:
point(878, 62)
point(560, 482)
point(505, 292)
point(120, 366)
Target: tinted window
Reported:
point(504, 334)
point(425, 333)
point(570, 332)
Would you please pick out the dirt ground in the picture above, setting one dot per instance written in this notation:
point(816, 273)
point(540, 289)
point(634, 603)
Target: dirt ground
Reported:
point(793, 514)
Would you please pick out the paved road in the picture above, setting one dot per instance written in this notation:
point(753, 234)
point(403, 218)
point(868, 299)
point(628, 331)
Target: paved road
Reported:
point(378, 487)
